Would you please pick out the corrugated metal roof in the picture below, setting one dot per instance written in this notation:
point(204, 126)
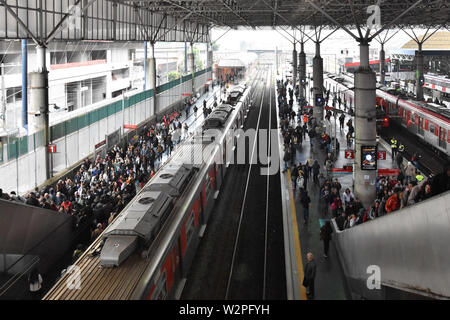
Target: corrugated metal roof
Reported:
point(439, 40)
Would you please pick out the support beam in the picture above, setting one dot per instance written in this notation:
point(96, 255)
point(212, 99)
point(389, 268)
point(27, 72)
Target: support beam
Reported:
point(365, 127)
point(192, 67)
point(145, 64)
point(419, 72)
point(294, 67)
point(25, 84)
point(20, 22)
point(185, 58)
point(38, 114)
point(150, 74)
point(318, 89)
point(382, 65)
point(302, 72)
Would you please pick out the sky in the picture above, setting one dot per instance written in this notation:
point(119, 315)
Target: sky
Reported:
point(263, 39)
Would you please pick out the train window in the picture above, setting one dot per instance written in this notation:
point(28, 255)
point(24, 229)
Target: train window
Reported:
point(161, 288)
point(190, 226)
point(431, 126)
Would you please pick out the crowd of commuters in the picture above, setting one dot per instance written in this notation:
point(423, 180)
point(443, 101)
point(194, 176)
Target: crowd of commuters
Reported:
point(102, 187)
point(393, 192)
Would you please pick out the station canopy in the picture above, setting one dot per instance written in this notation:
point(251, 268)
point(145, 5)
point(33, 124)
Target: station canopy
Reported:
point(328, 13)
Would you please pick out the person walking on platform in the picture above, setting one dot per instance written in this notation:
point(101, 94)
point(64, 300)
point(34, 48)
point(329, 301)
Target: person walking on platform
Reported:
point(310, 275)
point(398, 160)
point(316, 171)
point(325, 236)
point(294, 176)
point(306, 202)
point(195, 111)
point(394, 147)
point(341, 121)
point(287, 157)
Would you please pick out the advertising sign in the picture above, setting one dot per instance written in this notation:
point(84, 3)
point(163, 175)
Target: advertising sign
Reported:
point(368, 157)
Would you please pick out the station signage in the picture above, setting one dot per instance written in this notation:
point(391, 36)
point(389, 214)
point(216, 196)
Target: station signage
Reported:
point(368, 157)
point(349, 154)
point(345, 170)
point(388, 172)
point(185, 94)
point(381, 155)
point(52, 148)
point(101, 143)
point(130, 126)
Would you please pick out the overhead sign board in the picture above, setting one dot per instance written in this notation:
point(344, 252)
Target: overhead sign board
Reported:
point(388, 172)
point(381, 155)
point(349, 154)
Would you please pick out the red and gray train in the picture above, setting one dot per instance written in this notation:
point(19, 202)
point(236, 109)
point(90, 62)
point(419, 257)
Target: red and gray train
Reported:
point(147, 251)
point(427, 121)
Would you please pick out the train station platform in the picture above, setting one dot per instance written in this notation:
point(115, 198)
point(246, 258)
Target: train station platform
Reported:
point(40, 229)
point(301, 238)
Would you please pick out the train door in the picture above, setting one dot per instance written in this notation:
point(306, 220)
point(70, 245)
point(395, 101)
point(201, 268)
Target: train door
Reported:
point(420, 127)
point(160, 292)
point(442, 138)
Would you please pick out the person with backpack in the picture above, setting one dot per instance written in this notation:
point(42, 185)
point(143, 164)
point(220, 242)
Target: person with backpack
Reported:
point(195, 111)
point(306, 202)
point(286, 158)
point(325, 236)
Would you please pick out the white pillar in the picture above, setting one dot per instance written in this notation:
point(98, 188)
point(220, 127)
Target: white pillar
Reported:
point(365, 127)
point(151, 77)
point(38, 108)
point(191, 59)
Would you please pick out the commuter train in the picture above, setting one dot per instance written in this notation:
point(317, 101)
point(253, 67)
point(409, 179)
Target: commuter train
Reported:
point(427, 121)
point(147, 251)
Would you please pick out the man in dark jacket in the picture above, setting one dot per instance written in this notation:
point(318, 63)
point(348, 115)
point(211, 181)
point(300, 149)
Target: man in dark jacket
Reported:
point(306, 200)
point(32, 201)
point(325, 236)
point(310, 275)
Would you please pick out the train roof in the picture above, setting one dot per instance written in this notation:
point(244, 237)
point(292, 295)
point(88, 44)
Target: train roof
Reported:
point(158, 195)
point(439, 110)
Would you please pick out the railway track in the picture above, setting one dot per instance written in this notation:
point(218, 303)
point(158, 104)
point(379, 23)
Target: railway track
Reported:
point(430, 163)
point(242, 256)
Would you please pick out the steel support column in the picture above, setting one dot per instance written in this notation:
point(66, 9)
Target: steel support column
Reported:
point(151, 77)
point(318, 86)
point(302, 72)
point(25, 84)
point(382, 65)
point(39, 117)
point(145, 65)
point(276, 59)
point(294, 65)
point(419, 72)
point(185, 58)
point(192, 67)
point(365, 127)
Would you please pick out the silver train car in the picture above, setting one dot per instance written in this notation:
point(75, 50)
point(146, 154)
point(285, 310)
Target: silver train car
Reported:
point(428, 122)
point(147, 251)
